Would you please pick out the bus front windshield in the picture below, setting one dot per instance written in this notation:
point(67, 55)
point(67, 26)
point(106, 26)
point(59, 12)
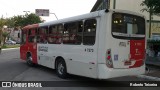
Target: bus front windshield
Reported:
point(128, 26)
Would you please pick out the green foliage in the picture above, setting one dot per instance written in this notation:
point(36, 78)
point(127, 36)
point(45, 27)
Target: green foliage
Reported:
point(10, 22)
point(20, 21)
point(2, 22)
point(4, 46)
point(26, 20)
point(5, 34)
point(152, 6)
point(32, 19)
point(10, 46)
point(17, 21)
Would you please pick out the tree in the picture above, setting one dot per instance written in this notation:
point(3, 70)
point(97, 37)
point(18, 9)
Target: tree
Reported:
point(153, 7)
point(20, 20)
point(26, 20)
point(2, 22)
point(17, 21)
point(4, 35)
point(32, 19)
point(10, 22)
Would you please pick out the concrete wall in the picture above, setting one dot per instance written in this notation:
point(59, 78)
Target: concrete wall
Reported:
point(132, 5)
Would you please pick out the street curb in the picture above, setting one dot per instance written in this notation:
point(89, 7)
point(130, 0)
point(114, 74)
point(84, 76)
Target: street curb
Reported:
point(149, 77)
point(153, 63)
point(9, 49)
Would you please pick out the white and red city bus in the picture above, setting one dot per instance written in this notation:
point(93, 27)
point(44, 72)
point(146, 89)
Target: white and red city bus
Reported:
point(102, 44)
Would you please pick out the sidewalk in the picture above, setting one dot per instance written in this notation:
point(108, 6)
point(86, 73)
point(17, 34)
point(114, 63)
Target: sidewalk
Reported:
point(9, 48)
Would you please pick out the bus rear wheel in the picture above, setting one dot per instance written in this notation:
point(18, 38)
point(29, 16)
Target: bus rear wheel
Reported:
point(61, 69)
point(29, 61)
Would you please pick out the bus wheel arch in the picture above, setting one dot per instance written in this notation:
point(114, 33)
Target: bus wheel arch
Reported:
point(61, 68)
point(29, 59)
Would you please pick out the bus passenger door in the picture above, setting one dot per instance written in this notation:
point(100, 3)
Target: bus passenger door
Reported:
point(23, 47)
point(32, 44)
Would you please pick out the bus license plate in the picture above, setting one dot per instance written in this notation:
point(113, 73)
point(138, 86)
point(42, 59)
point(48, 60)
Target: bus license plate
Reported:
point(126, 63)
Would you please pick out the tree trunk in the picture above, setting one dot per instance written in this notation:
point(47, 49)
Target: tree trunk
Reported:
point(150, 20)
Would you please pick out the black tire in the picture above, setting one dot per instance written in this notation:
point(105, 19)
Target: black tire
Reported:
point(61, 69)
point(29, 61)
point(147, 70)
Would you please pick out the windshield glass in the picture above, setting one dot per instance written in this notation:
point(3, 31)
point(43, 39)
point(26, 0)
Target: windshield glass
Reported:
point(127, 25)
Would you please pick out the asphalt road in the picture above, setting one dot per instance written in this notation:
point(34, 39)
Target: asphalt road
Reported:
point(13, 69)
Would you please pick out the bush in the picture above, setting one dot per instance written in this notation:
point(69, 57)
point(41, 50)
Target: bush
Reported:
point(4, 46)
point(10, 46)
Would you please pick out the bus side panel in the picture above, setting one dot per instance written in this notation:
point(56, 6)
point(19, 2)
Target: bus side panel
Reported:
point(46, 55)
point(105, 73)
point(78, 62)
point(104, 31)
point(81, 62)
point(103, 45)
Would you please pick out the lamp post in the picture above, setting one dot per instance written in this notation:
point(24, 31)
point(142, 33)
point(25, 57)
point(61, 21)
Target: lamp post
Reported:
point(150, 21)
point(26, 12)
point(54, 15)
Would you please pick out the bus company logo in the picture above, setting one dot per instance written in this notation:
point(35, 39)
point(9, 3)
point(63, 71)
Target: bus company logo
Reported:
point(6, 84)
point(138, 44)
point(122, 44)
point(43, 48)
point(137, 51)
point(21, 84)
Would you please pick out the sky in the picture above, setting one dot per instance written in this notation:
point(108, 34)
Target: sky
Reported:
point(62, 8)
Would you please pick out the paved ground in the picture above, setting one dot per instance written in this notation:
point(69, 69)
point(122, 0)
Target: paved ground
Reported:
point(13, 69)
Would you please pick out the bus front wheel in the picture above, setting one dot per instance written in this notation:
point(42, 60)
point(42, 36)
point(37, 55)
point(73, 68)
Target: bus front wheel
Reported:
point(29, 61)
point(61, 69)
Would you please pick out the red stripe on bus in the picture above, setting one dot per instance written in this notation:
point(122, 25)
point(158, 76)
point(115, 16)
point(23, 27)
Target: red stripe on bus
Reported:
point(137, 51)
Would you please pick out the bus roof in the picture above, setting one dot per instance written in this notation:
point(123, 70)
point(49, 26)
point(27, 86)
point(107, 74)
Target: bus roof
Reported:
point(74, 18)
point(30, 26)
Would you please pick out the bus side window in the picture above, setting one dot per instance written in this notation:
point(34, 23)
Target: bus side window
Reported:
point(66, 34)
point(31, 35)
point(79, 32)
point(89, 33)
point(23, 37)
point(43, 35)
point(59, 33)
point(73, 33)
point(55, 34)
